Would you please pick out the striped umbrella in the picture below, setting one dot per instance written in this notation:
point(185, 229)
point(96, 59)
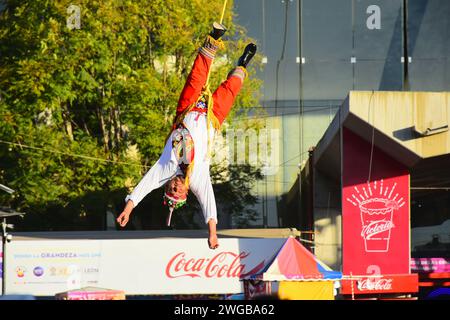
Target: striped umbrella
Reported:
point(294, 262)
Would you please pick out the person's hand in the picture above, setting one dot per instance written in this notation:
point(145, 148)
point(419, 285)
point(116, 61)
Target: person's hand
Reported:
point(213, 242)
point(122, 220)
point(212, 239)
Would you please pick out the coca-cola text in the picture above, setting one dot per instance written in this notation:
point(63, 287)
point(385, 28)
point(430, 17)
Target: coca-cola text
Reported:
point(375, 284)
point(224, 264)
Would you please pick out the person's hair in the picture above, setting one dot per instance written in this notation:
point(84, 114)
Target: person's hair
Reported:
point(176, 186)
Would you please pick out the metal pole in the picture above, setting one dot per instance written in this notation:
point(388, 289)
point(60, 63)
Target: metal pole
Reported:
point(406, 85)
point(4, 239)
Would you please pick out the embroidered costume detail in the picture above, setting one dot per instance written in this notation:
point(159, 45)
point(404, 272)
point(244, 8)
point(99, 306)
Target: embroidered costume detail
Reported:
point(239, 72)
point(183, 147)
point(210, 47)
point(201, 104)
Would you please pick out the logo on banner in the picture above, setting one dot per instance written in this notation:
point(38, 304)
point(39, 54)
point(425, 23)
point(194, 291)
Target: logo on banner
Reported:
point(20, 272)
point(38, 271)
point(224, 264)
point(381, 284)
point(376, 207)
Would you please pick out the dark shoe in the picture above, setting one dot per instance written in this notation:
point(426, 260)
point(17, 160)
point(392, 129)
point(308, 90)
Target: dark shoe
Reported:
point(218, 30)
point(248, 54)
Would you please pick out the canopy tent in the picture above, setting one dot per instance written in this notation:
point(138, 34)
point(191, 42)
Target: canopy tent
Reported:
point(300, 274)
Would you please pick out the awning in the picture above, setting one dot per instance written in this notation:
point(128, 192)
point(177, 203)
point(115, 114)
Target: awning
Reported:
point(293, 262)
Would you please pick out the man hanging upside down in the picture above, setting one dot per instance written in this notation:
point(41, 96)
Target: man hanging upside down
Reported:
point(191, 136)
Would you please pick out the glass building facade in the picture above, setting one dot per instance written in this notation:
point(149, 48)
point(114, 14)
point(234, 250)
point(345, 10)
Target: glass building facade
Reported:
point(316, 51)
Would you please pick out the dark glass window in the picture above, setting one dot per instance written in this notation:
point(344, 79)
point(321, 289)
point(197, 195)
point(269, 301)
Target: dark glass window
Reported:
point(326, 47)
point(430, 223)
point(274, 25)
point(378, 45)
point(429, 45)
point(326, 74)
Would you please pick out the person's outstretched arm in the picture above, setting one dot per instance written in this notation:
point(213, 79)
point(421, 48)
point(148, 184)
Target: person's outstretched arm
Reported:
point(124, 217)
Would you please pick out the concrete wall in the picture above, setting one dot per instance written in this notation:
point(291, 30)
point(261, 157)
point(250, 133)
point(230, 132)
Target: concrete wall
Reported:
point(403, 115)
point(327, 220)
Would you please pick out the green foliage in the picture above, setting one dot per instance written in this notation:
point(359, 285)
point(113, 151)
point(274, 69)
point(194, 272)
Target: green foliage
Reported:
point(68, 96)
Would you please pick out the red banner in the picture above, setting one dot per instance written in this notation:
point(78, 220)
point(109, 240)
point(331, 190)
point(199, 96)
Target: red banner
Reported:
point(405, 283)
point(375, 210)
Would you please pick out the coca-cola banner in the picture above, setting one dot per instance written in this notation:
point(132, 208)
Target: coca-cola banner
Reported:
point(135, 266)
point(375, 210)
point(406, 283)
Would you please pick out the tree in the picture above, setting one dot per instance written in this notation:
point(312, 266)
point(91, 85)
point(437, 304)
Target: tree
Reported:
point(85, 111)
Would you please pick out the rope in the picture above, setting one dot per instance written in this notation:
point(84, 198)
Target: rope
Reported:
point(206, 92)
point(221, 20)
point(223, 11)
point(74, 155)
point(373, 138)
point(210, 105)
